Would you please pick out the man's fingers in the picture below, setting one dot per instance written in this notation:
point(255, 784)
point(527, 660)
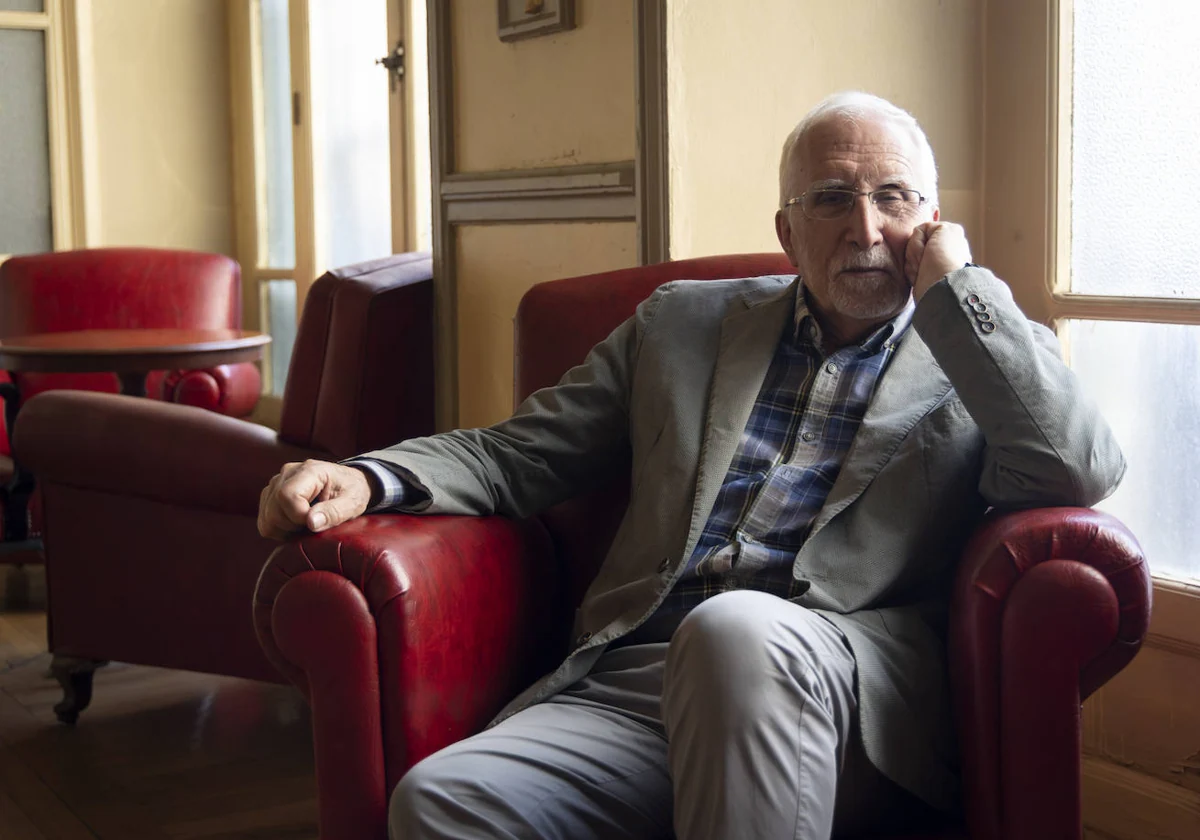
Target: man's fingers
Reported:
point(914, 251)
point(264, 499)
point(333, 512)
point(298, 490)
point(314, 494)
point(347, 496)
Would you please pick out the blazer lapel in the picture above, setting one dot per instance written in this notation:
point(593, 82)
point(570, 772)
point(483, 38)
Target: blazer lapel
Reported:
point(910, 387)
point(749, 339)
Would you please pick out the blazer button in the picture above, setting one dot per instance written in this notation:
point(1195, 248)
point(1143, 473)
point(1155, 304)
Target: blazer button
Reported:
point(988, 326)
point(972, 299)
point(980, 307)
point(664, 565)
point(583, 640)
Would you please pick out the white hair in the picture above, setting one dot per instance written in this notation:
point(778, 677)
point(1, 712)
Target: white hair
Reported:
point(856, 105)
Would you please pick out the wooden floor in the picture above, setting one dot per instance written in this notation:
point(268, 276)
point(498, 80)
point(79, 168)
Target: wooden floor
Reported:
point(157, 754)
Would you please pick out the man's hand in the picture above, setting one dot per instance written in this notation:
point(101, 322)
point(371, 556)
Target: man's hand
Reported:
point(934, 250)
point(316, 495)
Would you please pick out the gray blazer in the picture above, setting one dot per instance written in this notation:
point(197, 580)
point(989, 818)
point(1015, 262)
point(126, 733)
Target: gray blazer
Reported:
point(976, 408)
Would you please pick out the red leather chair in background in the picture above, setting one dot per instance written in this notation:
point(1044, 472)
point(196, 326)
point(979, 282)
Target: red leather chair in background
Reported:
point(408, 633)
point(152, 548)
point(120, 288)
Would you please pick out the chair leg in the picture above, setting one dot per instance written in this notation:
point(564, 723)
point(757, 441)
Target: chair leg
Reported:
point(75, 677)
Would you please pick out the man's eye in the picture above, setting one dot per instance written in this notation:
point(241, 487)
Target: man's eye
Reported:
point(889, 196)
point(831, 198)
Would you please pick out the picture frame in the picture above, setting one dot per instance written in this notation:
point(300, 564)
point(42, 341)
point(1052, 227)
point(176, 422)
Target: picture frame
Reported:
point(519, 19)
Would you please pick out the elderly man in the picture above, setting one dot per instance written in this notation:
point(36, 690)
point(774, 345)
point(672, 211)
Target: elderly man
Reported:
point(761, 655)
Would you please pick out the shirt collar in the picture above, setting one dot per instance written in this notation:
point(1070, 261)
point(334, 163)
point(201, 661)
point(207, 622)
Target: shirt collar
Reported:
point(884, 337)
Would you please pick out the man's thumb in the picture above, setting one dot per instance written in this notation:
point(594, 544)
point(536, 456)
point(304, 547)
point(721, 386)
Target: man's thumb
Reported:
point(329, 513)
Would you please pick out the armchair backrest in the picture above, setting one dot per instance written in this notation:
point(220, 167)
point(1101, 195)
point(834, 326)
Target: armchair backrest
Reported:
point(113, 288)
point(557, 324)
point(361, 375)
point(118, 288)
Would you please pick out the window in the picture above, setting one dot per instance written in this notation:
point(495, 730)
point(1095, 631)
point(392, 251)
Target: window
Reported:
point(1128, 281)
point(330, 160)
point(37, 165)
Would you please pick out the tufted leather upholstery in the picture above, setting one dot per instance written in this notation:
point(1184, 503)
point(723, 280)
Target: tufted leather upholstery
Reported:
point(151, 541)
point(430, 624)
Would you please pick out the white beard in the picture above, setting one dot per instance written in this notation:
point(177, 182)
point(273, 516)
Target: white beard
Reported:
point(867, 298)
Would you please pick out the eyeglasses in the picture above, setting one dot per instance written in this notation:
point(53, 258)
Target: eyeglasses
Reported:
point(834, 203)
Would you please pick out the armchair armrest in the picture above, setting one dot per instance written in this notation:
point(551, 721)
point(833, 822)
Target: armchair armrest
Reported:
point(226, 389)
point(151, 450)
point(407, 633)
point(1048, 605)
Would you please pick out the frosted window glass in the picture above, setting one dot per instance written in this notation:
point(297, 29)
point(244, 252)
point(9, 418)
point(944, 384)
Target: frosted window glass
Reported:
point(22, 6)
point(281, 323)
point(352, 178)
point(1146, 379)
point(25, 221)
point(277, 124)
point(1135, 141)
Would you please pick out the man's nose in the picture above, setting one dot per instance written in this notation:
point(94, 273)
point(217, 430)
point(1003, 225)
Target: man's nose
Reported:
point(865, 223)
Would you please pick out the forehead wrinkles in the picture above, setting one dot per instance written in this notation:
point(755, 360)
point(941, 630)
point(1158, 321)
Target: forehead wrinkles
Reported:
point(867, 161)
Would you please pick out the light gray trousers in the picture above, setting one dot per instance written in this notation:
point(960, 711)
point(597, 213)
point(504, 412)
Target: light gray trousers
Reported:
point(742, 726)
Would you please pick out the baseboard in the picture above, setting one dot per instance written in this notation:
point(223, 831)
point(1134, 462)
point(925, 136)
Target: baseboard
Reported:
point(1128, 805)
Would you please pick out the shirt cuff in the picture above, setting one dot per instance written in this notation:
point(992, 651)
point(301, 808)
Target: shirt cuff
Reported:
point(389, 491)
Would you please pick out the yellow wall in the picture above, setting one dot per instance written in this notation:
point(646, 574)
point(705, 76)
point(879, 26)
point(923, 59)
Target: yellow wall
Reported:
point(553, 100)
point(155, 79)
point(496, 265)
point(549, 101)
point(739, 81)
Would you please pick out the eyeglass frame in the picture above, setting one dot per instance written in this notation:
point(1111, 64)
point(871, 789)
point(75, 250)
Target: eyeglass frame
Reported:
point(922, 199)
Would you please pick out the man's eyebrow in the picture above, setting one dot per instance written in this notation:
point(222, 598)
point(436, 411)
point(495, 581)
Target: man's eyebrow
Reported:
point(831, 184)
point(890, 182)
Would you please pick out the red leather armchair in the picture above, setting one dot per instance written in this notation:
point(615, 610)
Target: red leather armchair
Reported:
point(152, 548)
point(119, 288)
point(409, 633)
point(130, 288)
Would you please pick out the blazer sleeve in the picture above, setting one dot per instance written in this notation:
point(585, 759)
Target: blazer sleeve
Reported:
point(560, 442)
point(1046, 442)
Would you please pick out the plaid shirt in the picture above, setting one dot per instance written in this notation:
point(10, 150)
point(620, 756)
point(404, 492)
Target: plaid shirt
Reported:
point(791, 452)
point(800, 429)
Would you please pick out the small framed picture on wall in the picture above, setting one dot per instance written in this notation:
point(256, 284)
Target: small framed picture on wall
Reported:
point(528, 18)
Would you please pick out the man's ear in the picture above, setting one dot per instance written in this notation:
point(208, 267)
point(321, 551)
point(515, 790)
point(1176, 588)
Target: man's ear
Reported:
point(783, 230)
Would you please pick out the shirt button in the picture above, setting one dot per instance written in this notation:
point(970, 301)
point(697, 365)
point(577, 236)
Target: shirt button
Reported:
point(583, 639)
point(664, 565)
point(831, 368)
point(809, 437)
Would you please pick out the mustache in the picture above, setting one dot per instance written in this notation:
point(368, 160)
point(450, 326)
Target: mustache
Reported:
point(878, 260)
